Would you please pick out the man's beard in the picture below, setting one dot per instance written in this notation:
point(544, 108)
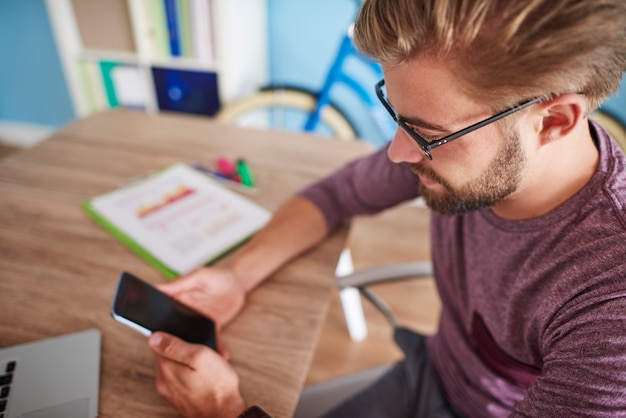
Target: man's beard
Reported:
point(495, 184)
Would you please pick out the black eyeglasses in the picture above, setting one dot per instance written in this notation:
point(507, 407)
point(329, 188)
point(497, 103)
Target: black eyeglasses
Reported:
point(426, 145)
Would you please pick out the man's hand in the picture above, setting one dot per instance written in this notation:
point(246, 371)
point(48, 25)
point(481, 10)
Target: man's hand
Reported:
point(212, 291)
point(195, 379)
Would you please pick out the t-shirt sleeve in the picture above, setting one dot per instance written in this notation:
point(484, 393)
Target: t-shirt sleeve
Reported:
point(584, 370)
point(364, 186)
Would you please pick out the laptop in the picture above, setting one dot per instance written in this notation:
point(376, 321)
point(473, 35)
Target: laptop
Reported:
point(53, 378)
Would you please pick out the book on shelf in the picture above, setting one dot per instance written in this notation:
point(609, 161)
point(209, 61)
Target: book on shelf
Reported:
point(131, 86)
point(177, 219)
point(150, 28)
point(124, 85)
point(173, 30)
point(201, 31)
point(93, 86)
point(106, 68)
point(184, 25)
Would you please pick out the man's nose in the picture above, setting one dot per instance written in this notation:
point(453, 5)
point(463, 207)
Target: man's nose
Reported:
point(404, 149)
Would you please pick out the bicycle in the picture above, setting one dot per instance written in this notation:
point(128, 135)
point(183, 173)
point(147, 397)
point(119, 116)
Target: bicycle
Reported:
point(295, 108)
point(612, 125)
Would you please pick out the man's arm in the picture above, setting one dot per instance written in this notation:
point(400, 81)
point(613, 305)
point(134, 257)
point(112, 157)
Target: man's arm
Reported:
point(196, 380)
point(296, 227)
point(366, 185)
point(584, 371)
point(220, 292)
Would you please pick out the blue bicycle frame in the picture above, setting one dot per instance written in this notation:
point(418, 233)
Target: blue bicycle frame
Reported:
point(336, 75)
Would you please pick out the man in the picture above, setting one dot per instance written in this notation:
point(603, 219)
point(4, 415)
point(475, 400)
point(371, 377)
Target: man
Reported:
point(528, 225)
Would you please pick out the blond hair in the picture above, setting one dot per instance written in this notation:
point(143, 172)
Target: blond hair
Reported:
point(505, 50)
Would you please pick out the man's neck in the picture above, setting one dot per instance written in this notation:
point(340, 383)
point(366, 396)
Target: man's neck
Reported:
point(559, 171)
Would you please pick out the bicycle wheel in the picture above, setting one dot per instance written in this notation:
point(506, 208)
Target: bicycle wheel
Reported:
point(612, 126)
point(286, 109)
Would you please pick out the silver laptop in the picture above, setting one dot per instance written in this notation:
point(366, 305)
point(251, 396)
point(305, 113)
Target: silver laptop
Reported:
point(53, 378)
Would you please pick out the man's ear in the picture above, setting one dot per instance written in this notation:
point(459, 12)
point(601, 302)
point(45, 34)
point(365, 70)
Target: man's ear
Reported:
point(560, 115)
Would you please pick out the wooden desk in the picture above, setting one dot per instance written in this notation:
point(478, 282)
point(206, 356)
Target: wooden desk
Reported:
point(58, 269)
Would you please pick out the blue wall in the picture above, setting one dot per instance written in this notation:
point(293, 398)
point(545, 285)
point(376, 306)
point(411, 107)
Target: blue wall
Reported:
point(32, 85)
point(302, 48)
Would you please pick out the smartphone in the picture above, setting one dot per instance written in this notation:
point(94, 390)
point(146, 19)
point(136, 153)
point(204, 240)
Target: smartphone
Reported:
point(142, 307)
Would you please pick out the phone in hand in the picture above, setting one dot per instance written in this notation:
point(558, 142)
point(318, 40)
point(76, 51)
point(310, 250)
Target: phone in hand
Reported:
point(142, 307)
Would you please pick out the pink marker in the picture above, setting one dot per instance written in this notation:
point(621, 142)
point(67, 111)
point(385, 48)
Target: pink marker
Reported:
point(226, 167)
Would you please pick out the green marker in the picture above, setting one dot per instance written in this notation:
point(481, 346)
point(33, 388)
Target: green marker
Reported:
point(243, 169)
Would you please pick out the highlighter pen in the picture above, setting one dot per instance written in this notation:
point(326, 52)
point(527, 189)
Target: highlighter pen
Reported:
point(225, 180)
point(243, 169)
point(226, 167)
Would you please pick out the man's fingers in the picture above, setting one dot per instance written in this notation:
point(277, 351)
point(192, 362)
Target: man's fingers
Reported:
point(179, 285)
point(174, 349)
point(222, 350)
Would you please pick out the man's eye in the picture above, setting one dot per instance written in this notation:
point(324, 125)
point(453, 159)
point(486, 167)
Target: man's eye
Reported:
point(429, 138)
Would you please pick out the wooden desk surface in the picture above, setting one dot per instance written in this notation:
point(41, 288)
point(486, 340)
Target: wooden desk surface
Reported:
point(58, 269)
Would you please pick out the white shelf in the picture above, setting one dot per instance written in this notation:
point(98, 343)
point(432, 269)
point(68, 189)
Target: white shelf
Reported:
point(239, 46)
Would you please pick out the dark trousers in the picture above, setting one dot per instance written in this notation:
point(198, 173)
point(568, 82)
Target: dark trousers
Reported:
point(410, 389)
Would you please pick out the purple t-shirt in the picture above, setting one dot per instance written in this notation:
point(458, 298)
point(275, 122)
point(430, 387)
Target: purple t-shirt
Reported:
point(533, 319)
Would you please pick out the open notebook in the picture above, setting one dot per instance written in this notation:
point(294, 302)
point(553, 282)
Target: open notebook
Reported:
point(51, 378)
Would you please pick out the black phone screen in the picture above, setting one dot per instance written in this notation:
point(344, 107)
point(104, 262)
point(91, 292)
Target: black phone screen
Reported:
point(143, 304)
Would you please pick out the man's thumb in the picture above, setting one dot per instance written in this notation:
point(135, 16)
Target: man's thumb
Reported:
point(175, 349)
point(166, 345)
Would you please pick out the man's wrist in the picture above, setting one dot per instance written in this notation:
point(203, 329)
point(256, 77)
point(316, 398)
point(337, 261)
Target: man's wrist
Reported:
point(245, 268)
